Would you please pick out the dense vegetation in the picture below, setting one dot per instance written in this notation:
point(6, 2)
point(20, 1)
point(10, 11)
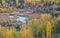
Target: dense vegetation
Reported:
point(49, 20)
point(34, 28)
point(36, 6)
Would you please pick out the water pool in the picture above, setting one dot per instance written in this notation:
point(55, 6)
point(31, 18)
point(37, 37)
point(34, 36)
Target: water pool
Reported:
point(22, 19)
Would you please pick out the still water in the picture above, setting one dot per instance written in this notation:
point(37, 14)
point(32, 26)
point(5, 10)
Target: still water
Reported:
point(20, 18)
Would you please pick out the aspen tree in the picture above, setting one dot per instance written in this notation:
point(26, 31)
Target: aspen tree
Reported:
point(48, 30)
point(17, 2)
point(9, 33)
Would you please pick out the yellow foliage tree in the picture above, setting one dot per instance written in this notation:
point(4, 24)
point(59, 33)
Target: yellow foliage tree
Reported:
point(3, 32)
point(0, 27)
point(9, 33)
point(17, 2)
point(45, 17)
point(3, 2)
point(58, 18)
point(35, 27)
point(16, 33)
point(48, 30)
point(25, 32)
point(38, 26)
